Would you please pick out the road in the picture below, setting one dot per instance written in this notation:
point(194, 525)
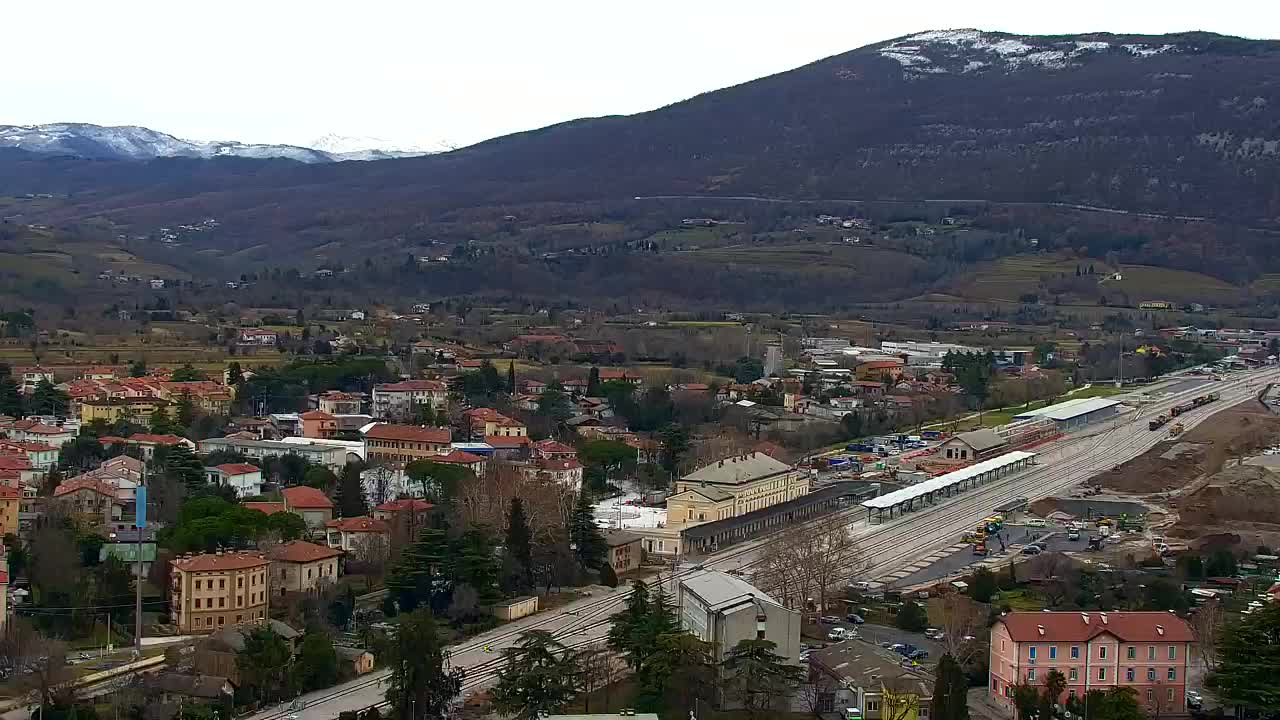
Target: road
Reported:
point(887, 547)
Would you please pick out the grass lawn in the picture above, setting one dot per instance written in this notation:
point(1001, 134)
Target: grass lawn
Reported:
point(1096, 390)
point(1018, 600)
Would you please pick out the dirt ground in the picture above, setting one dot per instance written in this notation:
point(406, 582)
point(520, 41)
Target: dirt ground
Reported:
point(1240, 430)
point(1238, 506)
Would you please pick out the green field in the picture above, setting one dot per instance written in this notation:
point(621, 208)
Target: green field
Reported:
point(804, 256)
point(1010, 278)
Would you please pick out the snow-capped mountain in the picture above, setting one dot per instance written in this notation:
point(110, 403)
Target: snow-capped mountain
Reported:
point(938, 52)
point(345, 147)
point(130, 142)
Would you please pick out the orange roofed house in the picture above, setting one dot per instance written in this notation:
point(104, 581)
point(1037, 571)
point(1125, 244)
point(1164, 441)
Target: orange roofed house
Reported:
point(299, 566)
point(318, 424)
point(213, 590)
point(1147, 651)
point(402, 444)
point(312, 505)
point(487, 422)
point(396, 401)
point(360, 535)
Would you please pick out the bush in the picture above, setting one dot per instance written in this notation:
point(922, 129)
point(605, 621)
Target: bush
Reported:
point(982, 585)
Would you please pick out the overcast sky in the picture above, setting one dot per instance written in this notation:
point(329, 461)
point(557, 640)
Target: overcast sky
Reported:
point(425, 72)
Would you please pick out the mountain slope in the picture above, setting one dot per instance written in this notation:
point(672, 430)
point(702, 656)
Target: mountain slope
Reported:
point(1183, 124)
point(129, 142)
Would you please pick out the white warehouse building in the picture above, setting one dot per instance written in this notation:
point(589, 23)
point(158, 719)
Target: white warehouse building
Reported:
point(1074, 414)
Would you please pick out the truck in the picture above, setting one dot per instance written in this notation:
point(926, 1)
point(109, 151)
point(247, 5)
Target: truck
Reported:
point(860, 447)
point(931, 434)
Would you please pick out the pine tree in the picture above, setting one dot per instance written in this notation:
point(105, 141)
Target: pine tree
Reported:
point(475, 565)
point(593, 383)
point(182, 465)
point(422, 685)
point(626, 631)
point(511, 378)
point(539, 676)
point(186, 411)
point(48, 400)
point(10, 397)
point(235, 375)
point(589, 545)
point(519, 548)
point(950, 701)
point(758, 676)
point(350, 494)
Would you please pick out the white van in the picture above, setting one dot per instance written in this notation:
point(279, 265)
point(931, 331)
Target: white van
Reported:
point(1035, 522)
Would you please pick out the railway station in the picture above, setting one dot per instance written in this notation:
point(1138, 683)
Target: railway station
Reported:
point(712, 536)
point(915, 497)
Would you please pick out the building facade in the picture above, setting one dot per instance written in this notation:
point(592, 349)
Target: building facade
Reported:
point(402, 444)
point(396, 401)
point(734, 486)
point(1146, 651)
point(301, 566)
point(212, 590)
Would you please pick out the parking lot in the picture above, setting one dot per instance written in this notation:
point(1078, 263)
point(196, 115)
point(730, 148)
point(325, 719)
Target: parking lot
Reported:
point(882, 635)
point(961, 556)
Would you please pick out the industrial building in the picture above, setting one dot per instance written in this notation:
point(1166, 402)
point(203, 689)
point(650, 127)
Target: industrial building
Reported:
point(1074, 414)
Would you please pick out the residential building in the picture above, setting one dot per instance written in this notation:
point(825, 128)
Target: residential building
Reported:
point(93, 500)
point(127, 549)
point(10, 503)
point(133, 409)
point(218, 653)
point(28, 378)
point(388, 443)
point(624, 550)
point(566, 474)
point(880, 369)
point(329, 455)
point(335, 402)
point(723, 610)
point(300, 566)
point(176, 690)
point(358, 661)
point(487, 422)
point(257, 337)
point(146, 443)
point(210, 397)
point(509, 447)
point(554, 450)
point(311, 504)
point(474, 463)
point(38, 432)
point(396, 401)
point(732, 487)
point(858, 675)
point(362, 535)
point(212, 590)
point(245, 479)
point(412, 511)
point(318, 424)
point(1149, 652)
point(40, 455)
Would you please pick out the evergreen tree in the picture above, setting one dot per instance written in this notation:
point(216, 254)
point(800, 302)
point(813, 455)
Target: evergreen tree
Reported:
point(511, 378)
point(677, 674)
point(951, 687)
point(589, 545)
point(138, 368)
point(235, 375)
point(626, 631)
point(519, 549)
point(757, 676)
point(10, 397)
point(422, 684)
point(1249, 662)
point(264, 664)
point(421, 565)
point(593, 382)
point(554, 404)
point(48, 400)
point(911, 617)
point(179, 463)
point(186, 411)
point(675, 443)
point(317, 663)
point(186, 373)
point(350, 495)
point(539, 676)
point(159, 423)
point(474, 564)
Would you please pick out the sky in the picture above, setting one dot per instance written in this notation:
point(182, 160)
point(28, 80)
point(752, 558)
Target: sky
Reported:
point(427, 73)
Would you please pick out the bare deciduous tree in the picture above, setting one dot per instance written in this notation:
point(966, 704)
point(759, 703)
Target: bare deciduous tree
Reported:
point(1206, 626)
point(962, 619)
point(812, 561)
point(39, 663)
point(600, 668)
point(818, 693)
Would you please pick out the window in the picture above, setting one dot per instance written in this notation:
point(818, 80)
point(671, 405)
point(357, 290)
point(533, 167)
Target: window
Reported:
point(1173, 652)
point(1151, 673)
point(222, 620)
point(1031, 675)
point(197, 603)
point(239, 619)
point(1151, 696)
point(1071, 693)
point(1172, 674)
point(1075, 652)
point(994, 685)
point(1073, 675)
point(1132, 652)
point(208, 622)
point(1053, 652)
point(1151, 652)
point(923, 711)
point(873, 706)
point(1128, 674)
point(197, 584)
point(222, 602)
point(1170, 695)
point(1102, 652)
point(1102, 673)
point(222, 584)
point(240, 581)
point(1031, 652)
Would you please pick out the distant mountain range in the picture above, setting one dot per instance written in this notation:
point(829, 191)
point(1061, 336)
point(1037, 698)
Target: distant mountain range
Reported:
point(129, 142)
point(1141, 127)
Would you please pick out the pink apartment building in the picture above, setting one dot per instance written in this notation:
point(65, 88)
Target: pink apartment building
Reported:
point(1147, 651)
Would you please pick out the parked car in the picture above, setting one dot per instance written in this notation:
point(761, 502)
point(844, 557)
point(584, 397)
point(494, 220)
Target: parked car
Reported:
point(1035, 522)
point(861, 586)
point(854, 618)
point(830, 620)
point(1194, 701)
point(896, 647)
point(838, 635)
point(934, 633)
point(907, 649)
point(1073, 535)
point(918, 655)
point(1032, 550)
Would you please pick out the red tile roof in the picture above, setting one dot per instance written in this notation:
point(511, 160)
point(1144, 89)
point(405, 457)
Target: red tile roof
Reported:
point(414, 504)
point(304, 497)
point(268, 508)
point(410, 433)
point(410, 385)
point(42, 429)
point(14, 462)
point(111, 439)
point(316, 415)
point(238, 468)
point(359, 524)
point(558, 465)
point(301, 551)
point(457, 457)
point(1072, 626)
point(34, 446)
point(9, 493)
point(503, 441)
point(167, 439)
point(210, 562)
point(554, 447)
point(83, 483)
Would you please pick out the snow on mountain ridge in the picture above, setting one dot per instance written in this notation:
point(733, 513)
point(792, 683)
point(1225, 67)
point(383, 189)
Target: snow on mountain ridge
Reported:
point(131, 142)
point(999, 51)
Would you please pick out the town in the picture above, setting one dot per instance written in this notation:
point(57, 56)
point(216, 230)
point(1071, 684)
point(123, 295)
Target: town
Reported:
point(830, 525)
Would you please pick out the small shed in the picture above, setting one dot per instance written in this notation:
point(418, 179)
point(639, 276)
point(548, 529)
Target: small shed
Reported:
point(516, 608)
point(359, 660)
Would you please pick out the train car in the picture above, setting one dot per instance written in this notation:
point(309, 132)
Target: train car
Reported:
point(1157, 422)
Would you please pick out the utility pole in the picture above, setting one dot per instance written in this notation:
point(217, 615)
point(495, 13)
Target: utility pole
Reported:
point(1120, 364)
point(139, 522)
